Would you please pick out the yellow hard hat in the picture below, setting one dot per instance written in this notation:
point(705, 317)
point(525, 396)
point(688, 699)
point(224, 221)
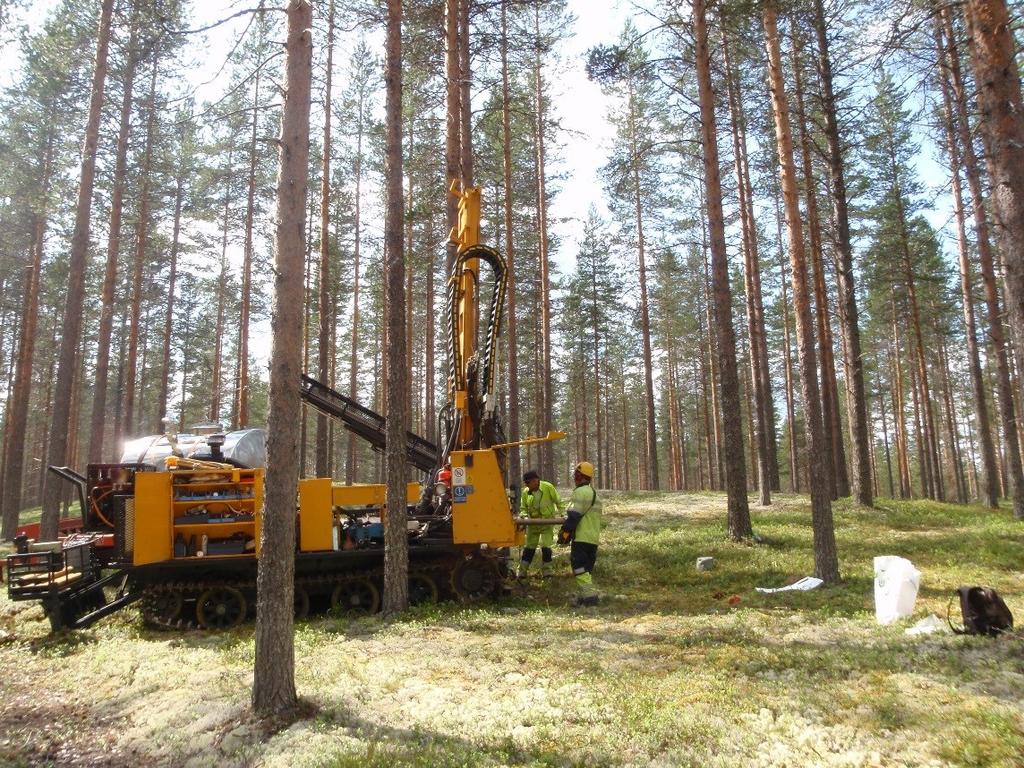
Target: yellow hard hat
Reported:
point(585, 468)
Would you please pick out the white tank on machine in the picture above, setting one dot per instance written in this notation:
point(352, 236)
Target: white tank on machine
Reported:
point(243, 447)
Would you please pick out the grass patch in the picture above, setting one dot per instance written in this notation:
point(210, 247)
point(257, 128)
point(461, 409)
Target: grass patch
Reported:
point(674, 668)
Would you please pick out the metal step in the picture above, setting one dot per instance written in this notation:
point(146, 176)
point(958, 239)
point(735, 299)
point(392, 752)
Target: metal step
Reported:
point(367, 424)
point(123, 599)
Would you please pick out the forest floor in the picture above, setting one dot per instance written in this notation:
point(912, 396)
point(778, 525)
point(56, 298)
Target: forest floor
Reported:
point(674, 668)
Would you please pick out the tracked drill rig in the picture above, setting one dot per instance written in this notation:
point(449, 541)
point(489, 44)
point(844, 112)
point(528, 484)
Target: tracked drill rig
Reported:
point(474, 444)
point(180, 532)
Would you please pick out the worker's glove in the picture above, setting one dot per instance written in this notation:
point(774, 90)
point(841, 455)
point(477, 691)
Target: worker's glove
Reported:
point(568, 530)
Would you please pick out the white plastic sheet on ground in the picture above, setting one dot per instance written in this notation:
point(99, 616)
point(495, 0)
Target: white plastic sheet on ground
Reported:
point(805, 584)
point(896, 585)
point(927, 626)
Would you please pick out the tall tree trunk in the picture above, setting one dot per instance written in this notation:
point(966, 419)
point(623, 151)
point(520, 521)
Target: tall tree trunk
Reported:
point(652, 480)
point(57, 447)
point(1001, 105)
point(625, 429)
point(186, 344)
point(396, 554)
point(930, 453)
point(273, 691)
point(787, 363)
point(241, 409)
point(16, 419)
point(324, 304)
point(216, 383)
point(831, 425)
point(920, 437)
point(430, 416)
point(408, 273)
point(138, 265)
point(990, 485)
point(351, 459)
point(165, 368)
point(546, 449)
point(826, 563)
point(856, 402)
point(735, 471)
point(465, 102)
point(714, 450)
point(99, 418)
point(755, 319)
point(1007, 412)
point(885, 440)
point(601, 481)
point(899, 411)
point(515, 468)
point(453, 118)
point(952, 433)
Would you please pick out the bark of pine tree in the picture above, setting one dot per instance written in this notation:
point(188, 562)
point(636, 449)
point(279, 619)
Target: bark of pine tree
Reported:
point(515, 468)
point(755, 318)
point(826, 563)
point(99, 418)
point(735, 470)
point(465, 102)
point(831, 423)
point(165, 366)
point(324, 302)
point(139, 262)
point(430, 414)
point(273, 691)
point(929, 447)
point(453, 118)
point(216, 384)
point(352, 457)
point(651, 430)
point(787, 366)
point(396, 542)
point(240, 411)
point(989, 485)
point(856, 399)
point(885, 439)
point(992, 48)
point(956, 466)
point(21, 386)
point(899, 410)
point(57, 447)
point(547, 451)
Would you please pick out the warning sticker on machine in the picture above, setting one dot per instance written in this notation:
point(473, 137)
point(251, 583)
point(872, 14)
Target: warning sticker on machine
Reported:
point(460, 493)
point(458, 476)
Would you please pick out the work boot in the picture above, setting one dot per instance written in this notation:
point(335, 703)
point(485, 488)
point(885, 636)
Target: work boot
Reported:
point(522, 572)
point(545, 571)
point(586, 601)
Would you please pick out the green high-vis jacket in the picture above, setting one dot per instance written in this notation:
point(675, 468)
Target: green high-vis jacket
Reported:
point(545, 503)
point(585, 501)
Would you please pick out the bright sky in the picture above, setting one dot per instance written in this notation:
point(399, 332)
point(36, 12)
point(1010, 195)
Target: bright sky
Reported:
point(580, 105)
point(579, 102)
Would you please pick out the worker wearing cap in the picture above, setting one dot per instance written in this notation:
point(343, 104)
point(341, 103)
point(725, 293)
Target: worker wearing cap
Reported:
point(583, 528)
point(540, 499)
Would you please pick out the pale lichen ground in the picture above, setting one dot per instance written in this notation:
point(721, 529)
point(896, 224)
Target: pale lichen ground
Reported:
point(666, 672)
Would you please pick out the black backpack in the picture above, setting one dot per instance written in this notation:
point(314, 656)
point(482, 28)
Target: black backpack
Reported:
point(983, 612)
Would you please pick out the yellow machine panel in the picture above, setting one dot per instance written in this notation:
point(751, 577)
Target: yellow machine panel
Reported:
point(152, 517)
point(368, 495)
point(197, 513)
point(480, 507)
point(316, 515)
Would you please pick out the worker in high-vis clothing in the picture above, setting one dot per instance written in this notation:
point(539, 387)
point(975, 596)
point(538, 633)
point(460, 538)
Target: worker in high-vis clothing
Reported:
point(540, 499)
point(583, 528)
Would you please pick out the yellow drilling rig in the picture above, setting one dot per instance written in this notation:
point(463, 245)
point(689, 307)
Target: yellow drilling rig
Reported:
point(177, 526)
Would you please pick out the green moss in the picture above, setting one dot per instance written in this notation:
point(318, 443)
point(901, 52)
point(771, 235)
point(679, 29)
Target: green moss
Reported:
point(675, 667)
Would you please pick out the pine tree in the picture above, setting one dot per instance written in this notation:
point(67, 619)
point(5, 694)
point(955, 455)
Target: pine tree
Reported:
point(274, 671)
